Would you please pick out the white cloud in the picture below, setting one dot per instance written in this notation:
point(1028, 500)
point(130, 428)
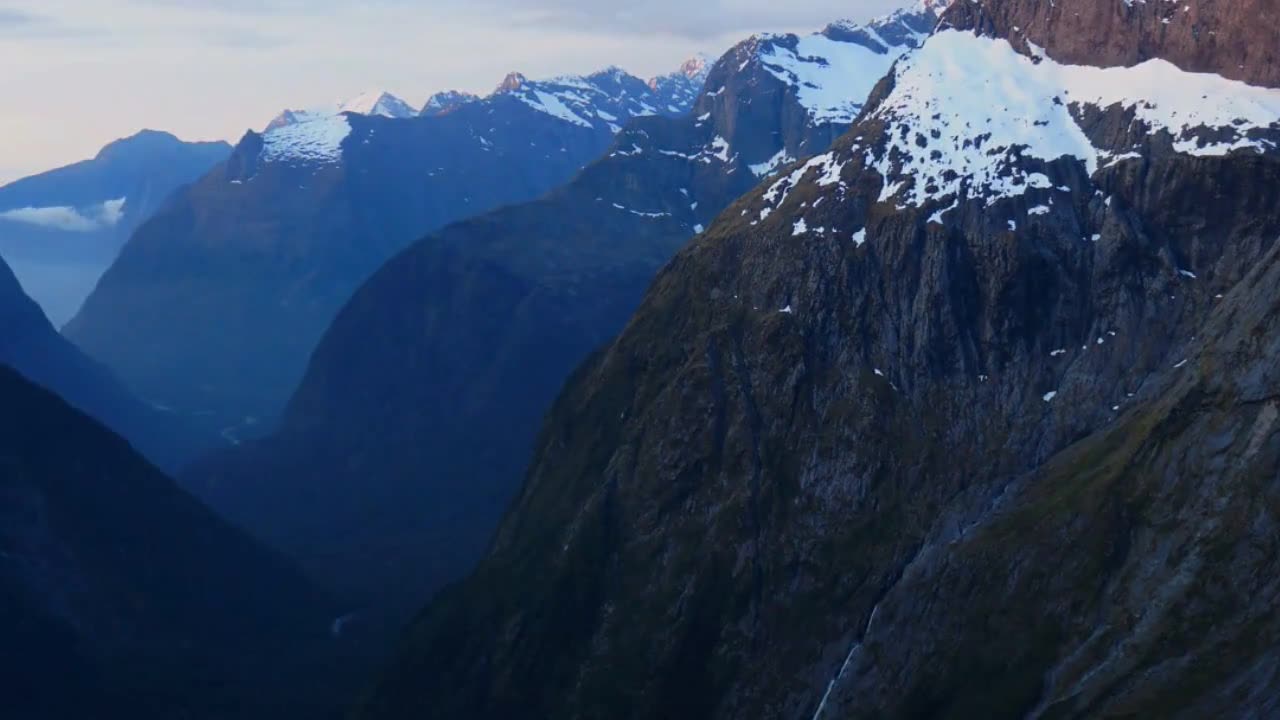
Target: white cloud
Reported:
point(68, 218)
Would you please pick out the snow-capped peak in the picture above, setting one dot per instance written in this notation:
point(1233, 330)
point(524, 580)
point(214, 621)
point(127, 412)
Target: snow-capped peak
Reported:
point(834, 71)
point(604, 99)
point(446, 102)
point(378, 103)
point(372, 103)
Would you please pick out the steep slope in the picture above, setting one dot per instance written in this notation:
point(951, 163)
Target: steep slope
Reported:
point(904, 433)
point(215, 305)
point(33, 347)
point(415, 420)
point(61, 229)
point(123, 597)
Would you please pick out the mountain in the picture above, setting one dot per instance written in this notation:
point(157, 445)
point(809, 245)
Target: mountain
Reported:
point(122, 596)
point(412, 427)
point(380, 103)
point(372, 103)
point(972, 415)
point(215, 304)
point(683, 86)
point(31, 345)
point(446, 102)
point(61, 229)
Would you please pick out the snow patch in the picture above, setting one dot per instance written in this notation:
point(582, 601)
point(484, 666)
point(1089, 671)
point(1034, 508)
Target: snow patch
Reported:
point(966, 111)
point(317, 140)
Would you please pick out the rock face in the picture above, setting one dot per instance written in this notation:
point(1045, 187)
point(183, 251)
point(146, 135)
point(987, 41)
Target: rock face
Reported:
point(414, 423)
point(33, 347)
point(215, 305)
point(1231, 38)
point(972, 415)
point(122, 597)
point(61, 229)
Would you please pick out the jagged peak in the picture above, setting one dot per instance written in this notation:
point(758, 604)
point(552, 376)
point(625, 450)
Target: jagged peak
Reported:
point(513, 81)
point(379, 103)
point(446, 101)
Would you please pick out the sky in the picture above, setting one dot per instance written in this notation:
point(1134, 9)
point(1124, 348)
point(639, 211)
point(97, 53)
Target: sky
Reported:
point(81, 73)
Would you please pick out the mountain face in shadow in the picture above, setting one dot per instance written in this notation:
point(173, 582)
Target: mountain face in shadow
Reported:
point(121, 596)
point(33, 347)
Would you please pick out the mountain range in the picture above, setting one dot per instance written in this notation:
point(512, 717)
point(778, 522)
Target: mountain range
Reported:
point(60, 230)
point(215, 304)
point(411, 429)
point(971, 415)
point(919, 368)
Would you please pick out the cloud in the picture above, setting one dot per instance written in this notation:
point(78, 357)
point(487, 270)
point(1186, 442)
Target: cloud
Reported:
point(10, 17)
point(68, 218)
point(242, 38)
point(699, 20)
point(15, 21)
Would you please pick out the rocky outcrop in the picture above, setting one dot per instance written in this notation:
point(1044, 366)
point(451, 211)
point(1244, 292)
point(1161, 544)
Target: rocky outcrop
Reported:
point(903, 433)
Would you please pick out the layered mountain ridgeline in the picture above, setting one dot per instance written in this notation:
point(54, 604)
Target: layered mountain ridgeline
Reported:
point(971, 416)
point(33, 347)
point(61, 229)
point(123, 597)
point(414, 423)
point(214, 306)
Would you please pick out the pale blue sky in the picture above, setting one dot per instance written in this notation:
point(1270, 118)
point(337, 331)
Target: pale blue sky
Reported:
point(80, 73)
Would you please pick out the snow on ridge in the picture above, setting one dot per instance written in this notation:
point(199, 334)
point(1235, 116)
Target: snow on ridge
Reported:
point(317, 140)
point(975, 107)
point(832, 77)
point(605, 98)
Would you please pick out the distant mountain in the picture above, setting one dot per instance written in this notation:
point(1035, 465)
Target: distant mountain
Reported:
point(123, 597)
point(684, 85)
point(412, 427)
point(215, 305)
point(61, 229)
point(446, 102)
point(32, 346)
point(373, 103)
point(972, 415)
point(379, 103)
